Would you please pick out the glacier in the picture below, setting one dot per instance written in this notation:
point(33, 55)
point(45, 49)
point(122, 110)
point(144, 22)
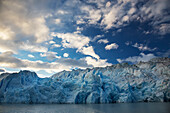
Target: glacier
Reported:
point(141, 82)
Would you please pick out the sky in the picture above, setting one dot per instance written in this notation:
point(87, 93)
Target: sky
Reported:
point(49, 36)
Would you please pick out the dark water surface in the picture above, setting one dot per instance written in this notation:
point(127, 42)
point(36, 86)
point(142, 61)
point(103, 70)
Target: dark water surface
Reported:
point(86, 108)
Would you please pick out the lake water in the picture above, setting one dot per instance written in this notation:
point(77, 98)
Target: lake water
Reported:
point(86, 108)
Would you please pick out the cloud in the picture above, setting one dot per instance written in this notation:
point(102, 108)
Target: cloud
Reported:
point(65, 54)
point(57, 21)
point(142, 57)
point(88, 51)
point(14, 15)
point(78, 30)
point(56, 45)
point(81, 63)
point(50, 55)
point(167, 53)
point(164, 53)
point(128, 43)
point(51, 42)
point(31, 56)
point(32, 47)
point(19, 25)
point(163, 29)
point(98, 62)
point(105, 41)
point(7, 60)
point(97, 37)
point(112, 46)
point(117, 14)
point(70, 40)
point(141, 47)
point(93, 15)
point(61, 12)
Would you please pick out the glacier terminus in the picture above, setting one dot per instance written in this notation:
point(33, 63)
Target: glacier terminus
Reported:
point(141, 82)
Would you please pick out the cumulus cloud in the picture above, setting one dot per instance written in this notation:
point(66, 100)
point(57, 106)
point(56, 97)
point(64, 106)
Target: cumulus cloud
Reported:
point(98, 62)
point(71, 40)
point(97, 37)
point(116, 14)
point(57, 21)
point(163, 29)
point(80, 42)
point(105, 41)
point(32, 48)
point(31, 56)
point(65, 54)
point(88, 51)
point(128, 43)
point(56, 45)
point(51, 42)
point(93, 15)
point(50, 55)
point(112, 46)
point(141, 47)
point(135, 59)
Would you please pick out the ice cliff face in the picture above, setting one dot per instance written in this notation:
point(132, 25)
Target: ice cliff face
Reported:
point(142, 82)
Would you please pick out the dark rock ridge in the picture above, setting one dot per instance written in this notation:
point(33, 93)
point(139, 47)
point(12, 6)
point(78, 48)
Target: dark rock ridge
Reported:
point(141, 82)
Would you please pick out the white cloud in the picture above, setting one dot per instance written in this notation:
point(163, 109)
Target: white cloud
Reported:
point(31, 56)
point(97, 37)
point(135, 59)
point(6, 33)
point(112, 46)
point(108, 4)
point(78, 30)
point(117, 14)
point(141, 47)
point(52, 42)
point(50, 55)
point(163, 29)
point(97, 63)
point(125, 18)
point(132, 10)
point(32, 48)
point(65, 54)
point(105, 41)
point(62, 12)
point(93, 15)
point(80, 21)
point(88, 51)
point(71, 40)
point(128, 43)
point(56, 45)
point(57, 21)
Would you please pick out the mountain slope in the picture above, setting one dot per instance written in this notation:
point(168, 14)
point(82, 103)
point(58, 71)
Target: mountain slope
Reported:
point(142, 82)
